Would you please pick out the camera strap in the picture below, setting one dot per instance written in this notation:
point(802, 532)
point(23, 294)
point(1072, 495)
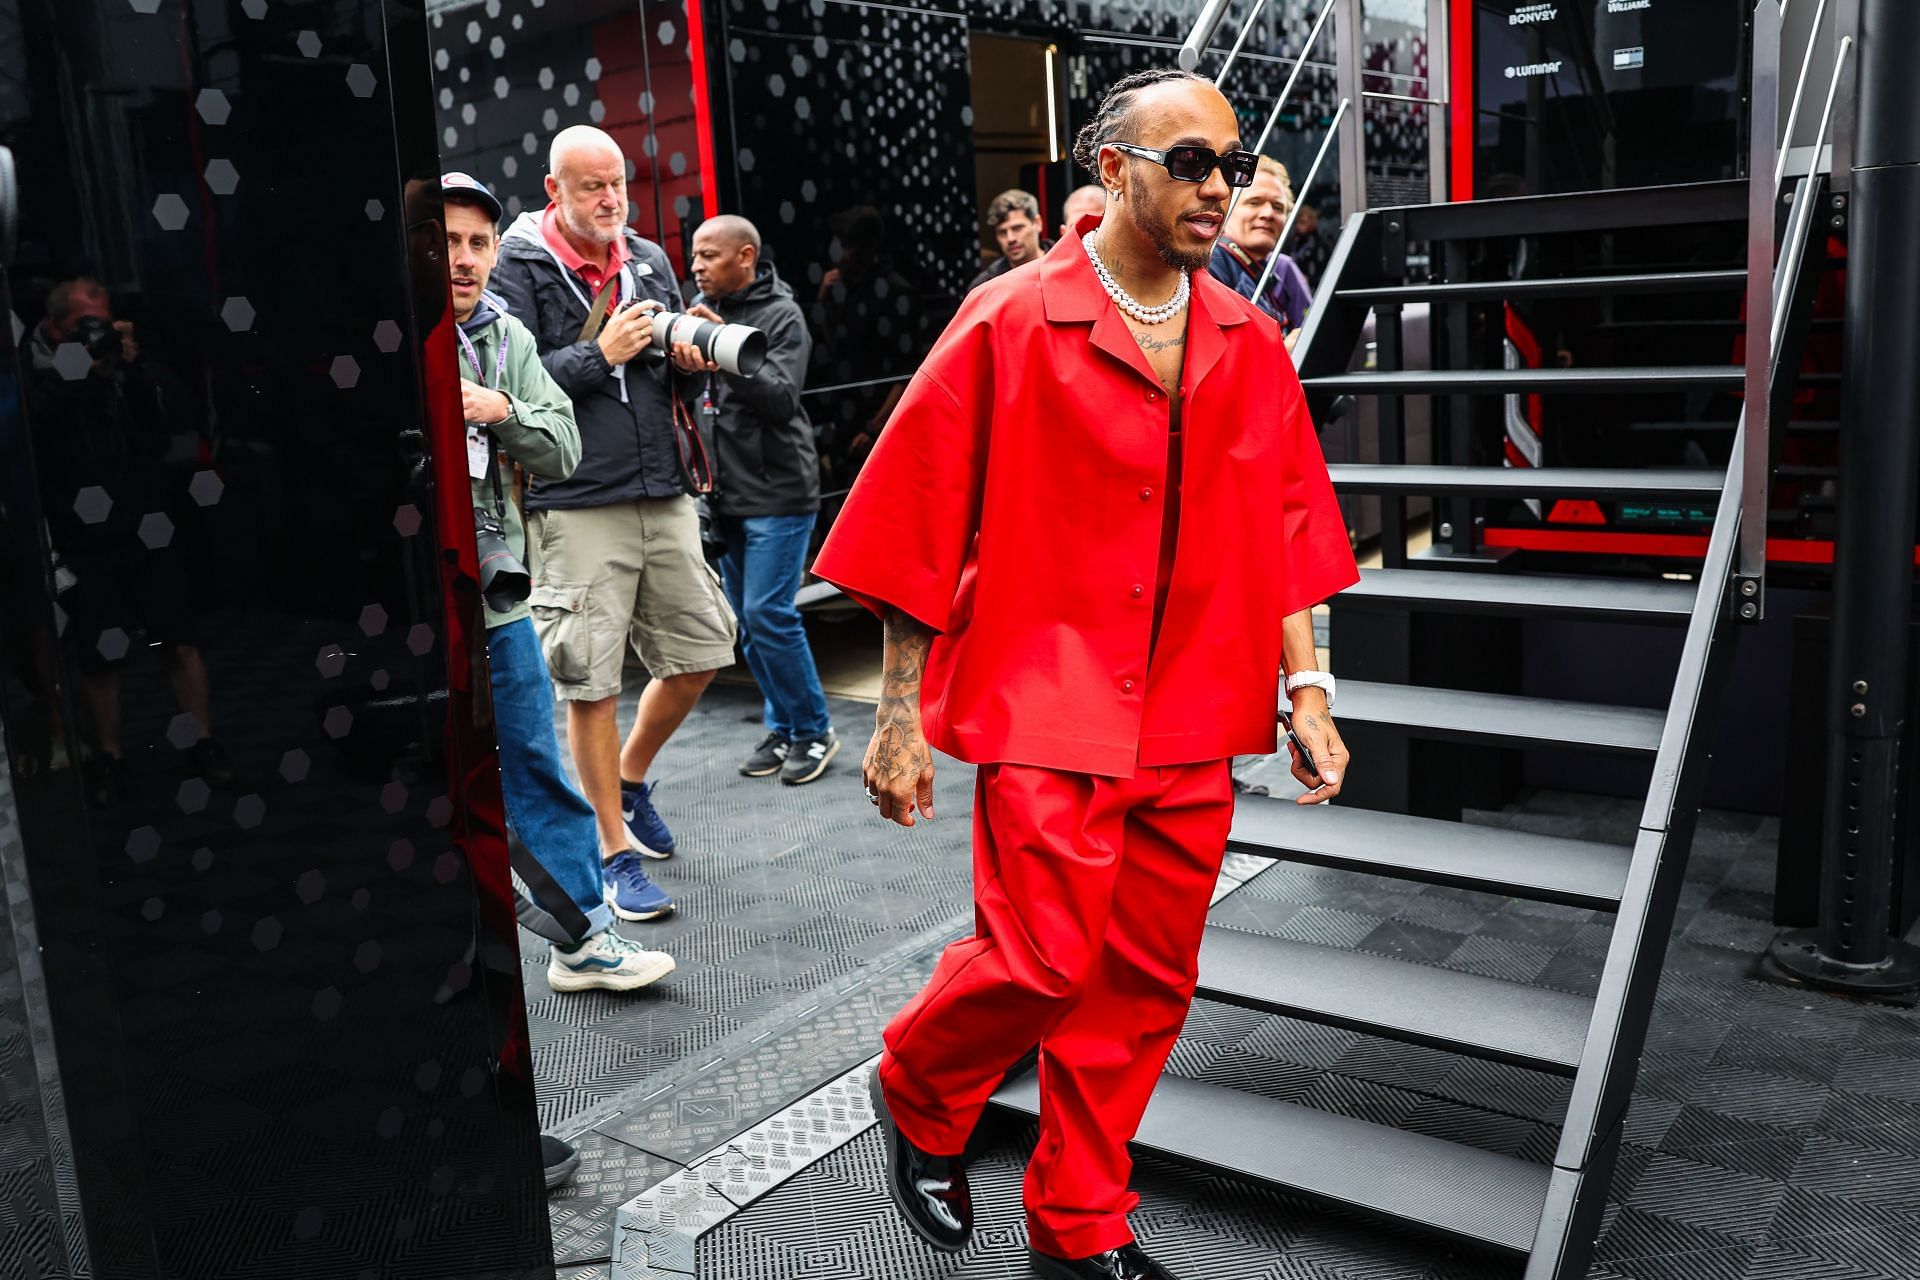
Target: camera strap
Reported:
point(614, 290)
point(694, 460)
point(597, 310)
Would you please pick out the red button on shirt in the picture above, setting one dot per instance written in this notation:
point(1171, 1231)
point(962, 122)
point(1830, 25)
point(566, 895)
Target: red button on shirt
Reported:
point(1005, 551)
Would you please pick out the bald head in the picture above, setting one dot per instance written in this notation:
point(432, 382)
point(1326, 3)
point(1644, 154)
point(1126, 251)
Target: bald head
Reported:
point(1082, 202)
point(587, 182)
point(732, 230)
point(582, 144)
point(726, 255)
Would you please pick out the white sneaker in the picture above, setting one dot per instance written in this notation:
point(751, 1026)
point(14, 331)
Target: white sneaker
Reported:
point(606, 962)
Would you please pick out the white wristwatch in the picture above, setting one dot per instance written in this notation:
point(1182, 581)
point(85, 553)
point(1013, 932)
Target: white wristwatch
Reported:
point(1312, 679)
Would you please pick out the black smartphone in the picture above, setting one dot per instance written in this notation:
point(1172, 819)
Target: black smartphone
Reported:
point(1286, 722)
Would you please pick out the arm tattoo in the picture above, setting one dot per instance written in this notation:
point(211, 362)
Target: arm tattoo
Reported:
point(899, 746)
point(1151, 343)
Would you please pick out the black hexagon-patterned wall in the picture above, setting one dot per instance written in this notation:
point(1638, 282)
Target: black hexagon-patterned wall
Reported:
point(259, 999)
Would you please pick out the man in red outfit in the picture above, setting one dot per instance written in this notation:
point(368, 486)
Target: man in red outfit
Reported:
point(1095, 529)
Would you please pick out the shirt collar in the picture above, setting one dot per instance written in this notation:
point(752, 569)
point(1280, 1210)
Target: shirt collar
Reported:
point(1070, 292)
point(550, 232)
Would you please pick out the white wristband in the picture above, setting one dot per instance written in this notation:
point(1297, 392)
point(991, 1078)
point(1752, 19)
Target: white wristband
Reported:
point(1311, 679)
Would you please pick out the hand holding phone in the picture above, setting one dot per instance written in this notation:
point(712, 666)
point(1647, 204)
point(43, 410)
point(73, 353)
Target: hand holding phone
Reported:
point(1301, 755)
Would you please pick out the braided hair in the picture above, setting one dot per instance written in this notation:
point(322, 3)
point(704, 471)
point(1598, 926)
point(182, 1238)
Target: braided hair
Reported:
point(1115, 113)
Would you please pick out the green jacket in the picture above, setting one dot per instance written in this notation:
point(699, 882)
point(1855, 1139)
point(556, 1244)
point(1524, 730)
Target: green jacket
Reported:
point(539, 434)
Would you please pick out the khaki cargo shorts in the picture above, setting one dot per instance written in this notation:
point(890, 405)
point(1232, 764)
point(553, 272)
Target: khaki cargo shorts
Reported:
point(630, 573)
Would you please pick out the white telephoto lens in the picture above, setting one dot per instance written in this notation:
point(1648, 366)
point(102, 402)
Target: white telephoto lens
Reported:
point(728, 345)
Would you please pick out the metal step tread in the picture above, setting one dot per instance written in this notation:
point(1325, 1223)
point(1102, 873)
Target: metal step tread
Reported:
point(1502, 718)
point(1467, 591)
point(1561, 286)
point(1520, 864)
point(1809, 426)
point(1529, 482)
point(1378, 995)
point(1628, 378)
point(1409, 1177)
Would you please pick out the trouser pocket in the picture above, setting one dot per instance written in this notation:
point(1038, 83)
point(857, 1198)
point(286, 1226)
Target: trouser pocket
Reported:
point(560, 616)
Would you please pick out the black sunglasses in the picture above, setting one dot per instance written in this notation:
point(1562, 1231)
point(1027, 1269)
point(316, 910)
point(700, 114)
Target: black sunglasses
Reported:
point(1194, 164)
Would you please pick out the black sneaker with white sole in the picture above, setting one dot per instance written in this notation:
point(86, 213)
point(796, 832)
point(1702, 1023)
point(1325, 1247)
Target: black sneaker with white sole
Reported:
point(807, 758)
point(767, 757)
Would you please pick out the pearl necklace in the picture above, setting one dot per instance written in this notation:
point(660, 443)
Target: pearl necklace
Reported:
point(1127, 302)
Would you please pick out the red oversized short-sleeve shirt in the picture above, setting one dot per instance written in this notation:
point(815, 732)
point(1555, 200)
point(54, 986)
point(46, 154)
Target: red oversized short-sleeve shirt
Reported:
point(1014, 504)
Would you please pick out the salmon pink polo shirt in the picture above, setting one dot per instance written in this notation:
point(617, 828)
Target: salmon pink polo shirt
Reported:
point(593, 277)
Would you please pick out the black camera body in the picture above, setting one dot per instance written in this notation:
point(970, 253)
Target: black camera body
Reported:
point(99, 337)
point(504, 580)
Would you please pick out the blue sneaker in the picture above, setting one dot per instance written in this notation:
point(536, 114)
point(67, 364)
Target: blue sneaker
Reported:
point(636, 807)
point(632, 895)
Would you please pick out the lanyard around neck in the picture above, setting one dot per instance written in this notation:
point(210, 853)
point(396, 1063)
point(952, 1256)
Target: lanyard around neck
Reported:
point(473, 358)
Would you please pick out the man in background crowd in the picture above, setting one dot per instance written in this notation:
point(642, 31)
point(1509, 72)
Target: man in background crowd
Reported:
point(1014, 219)
point(113, 433)
point(1253, 232)
point(1089, 201)
point(513, 405)
point(767, 492)
point(617, 544)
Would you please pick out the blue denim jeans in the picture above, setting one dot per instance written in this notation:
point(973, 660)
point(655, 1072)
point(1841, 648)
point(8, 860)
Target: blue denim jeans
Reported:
point(765, 558)
point(551, 819)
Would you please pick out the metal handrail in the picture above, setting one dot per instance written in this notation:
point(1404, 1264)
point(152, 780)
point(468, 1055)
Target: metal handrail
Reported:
point(1202, 33)
point(1246, 29)
point(1653, 877)
point(1764, 315)
point(1751, 568)
point(1286, 90)
point(1799, 89)
point(1279, 246)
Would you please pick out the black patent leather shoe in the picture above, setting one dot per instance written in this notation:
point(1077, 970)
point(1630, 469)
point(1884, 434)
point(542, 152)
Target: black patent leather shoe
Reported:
point(1128, 1262)
point(930, 1191)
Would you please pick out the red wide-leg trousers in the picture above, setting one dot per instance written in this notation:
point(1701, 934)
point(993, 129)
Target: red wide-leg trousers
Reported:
point(1090, 899)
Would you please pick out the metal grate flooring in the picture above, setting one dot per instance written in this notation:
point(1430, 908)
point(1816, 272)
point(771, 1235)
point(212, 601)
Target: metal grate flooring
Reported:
point(781, 891)
point(1775, 1135)
point(803, 923)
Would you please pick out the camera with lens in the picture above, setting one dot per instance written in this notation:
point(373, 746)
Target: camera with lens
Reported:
point(737, 348)
point(99, 337)
point(504, 581)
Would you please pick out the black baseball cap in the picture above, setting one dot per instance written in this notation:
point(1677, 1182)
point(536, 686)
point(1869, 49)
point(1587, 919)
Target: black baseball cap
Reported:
point(471, 188)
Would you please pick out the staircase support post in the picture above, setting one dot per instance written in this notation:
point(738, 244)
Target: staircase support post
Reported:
point(1852, 948)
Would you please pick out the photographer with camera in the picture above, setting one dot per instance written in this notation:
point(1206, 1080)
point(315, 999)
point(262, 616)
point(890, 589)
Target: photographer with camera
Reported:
point(768, 489)
point(114, 434)
point(616, 545)
point(512, 405)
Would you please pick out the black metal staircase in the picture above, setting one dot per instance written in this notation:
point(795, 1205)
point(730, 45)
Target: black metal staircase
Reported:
point(1547, 1212)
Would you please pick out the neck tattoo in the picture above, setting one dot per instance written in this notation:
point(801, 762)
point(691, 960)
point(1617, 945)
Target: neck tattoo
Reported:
point(1130, 304)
